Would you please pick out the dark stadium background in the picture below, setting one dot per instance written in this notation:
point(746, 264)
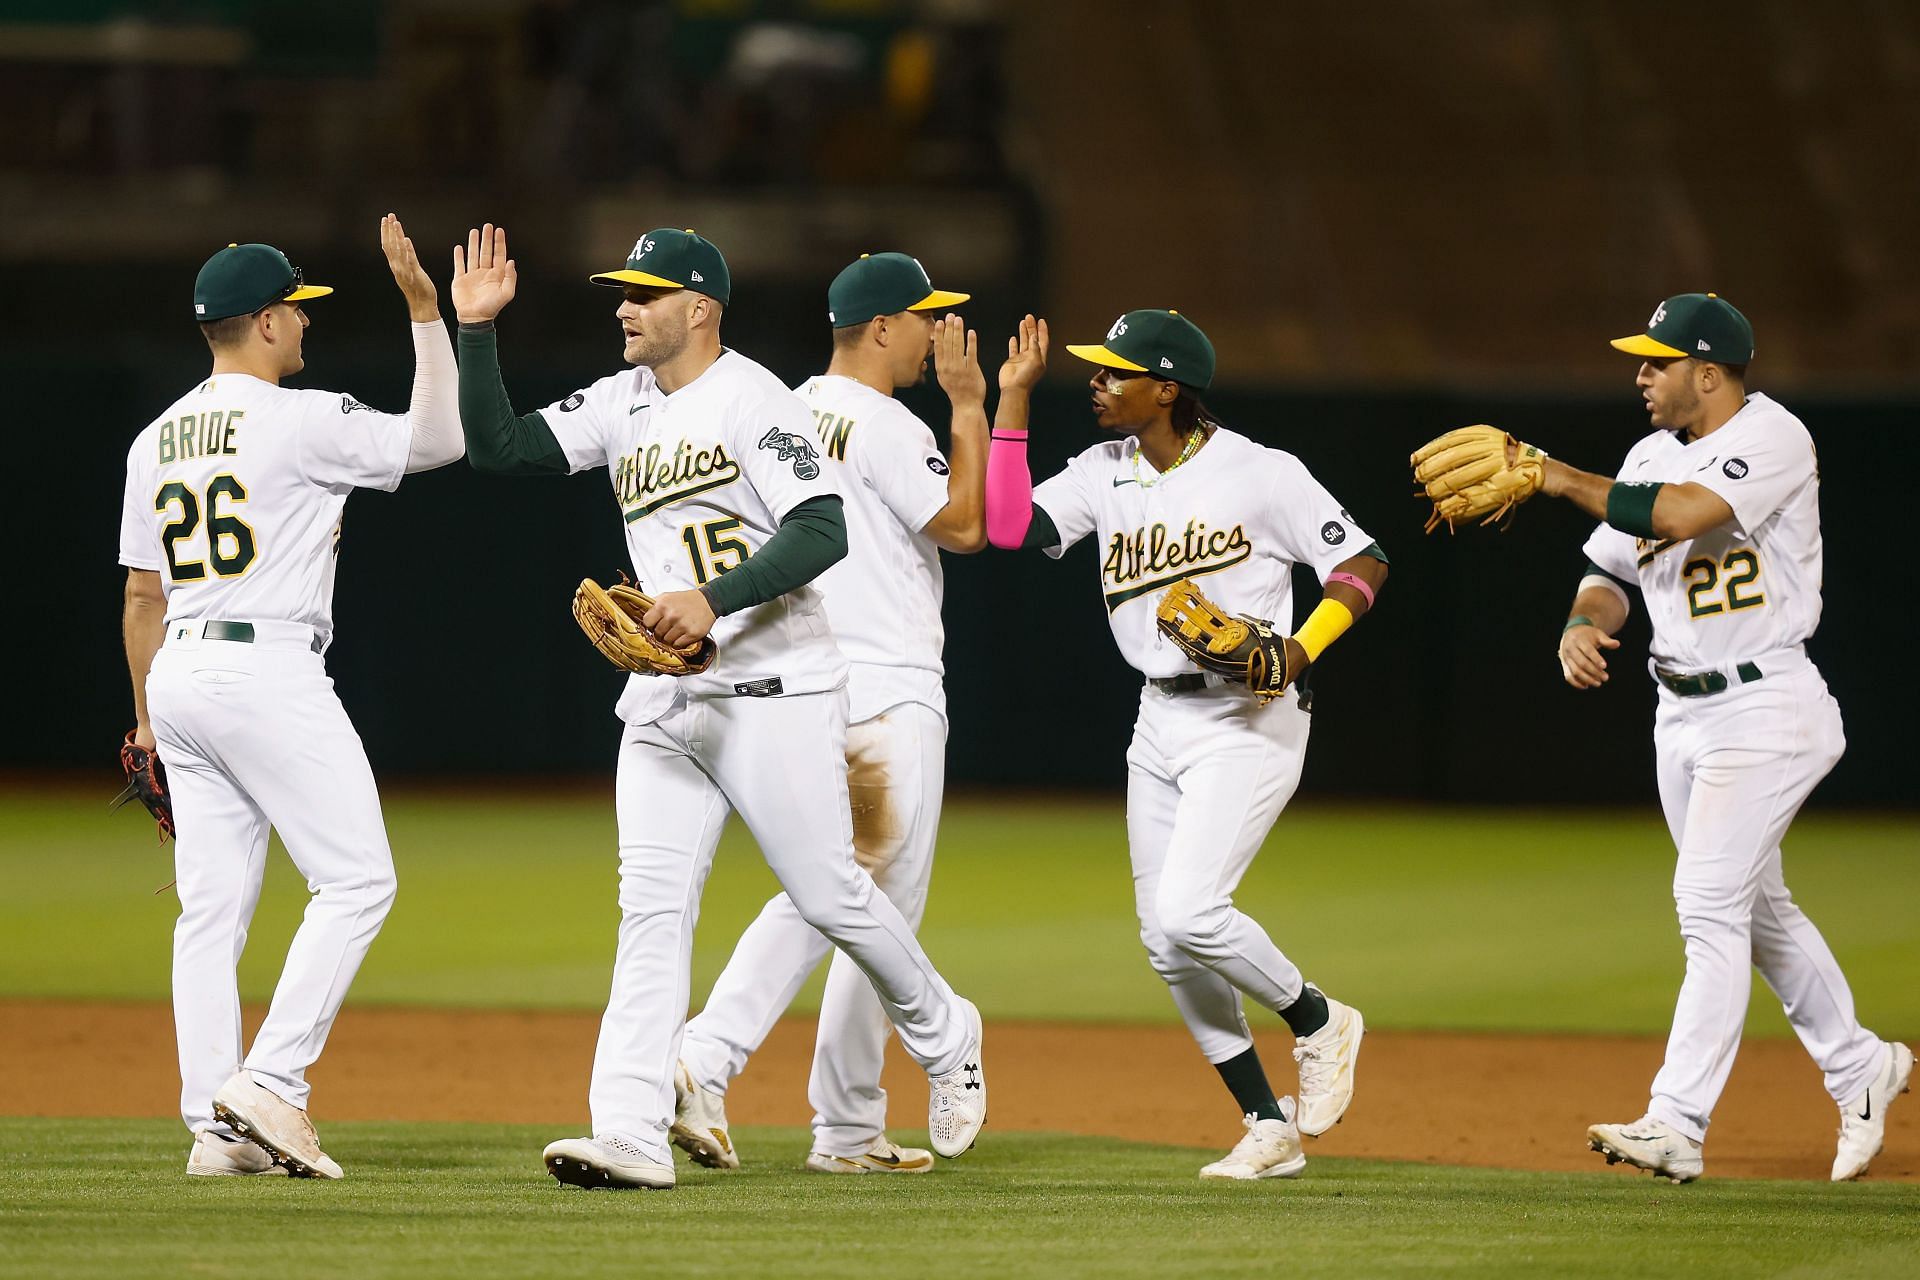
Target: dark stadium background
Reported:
point(1029, 153)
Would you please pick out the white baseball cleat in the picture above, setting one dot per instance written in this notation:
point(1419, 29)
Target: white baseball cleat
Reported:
point(1327, 1059)
point(216, 1155)
point(256, 1112)
point(1863, 1122)
point(611, 1160)
point(700, 1122)
point(881, 1157)
point(1649, 1144)
point(1271, 1149)
point(957, 1099)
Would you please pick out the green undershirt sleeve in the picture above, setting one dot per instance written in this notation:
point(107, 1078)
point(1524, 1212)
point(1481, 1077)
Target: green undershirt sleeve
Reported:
point(1040, 530)
point(808, 542)
point(500, 442)
point(1593, 568)
point(1373, 549)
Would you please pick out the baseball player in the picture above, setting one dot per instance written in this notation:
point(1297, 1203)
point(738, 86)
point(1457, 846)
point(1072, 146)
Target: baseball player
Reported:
point(1178, 496)
point(230, 532)
point(1715, 517)
point(730, 516)
point(904, 502)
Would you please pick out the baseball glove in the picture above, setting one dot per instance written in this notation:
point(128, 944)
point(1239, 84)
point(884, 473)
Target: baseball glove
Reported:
point(1466, 474)
point(1245, 650)
point(611, 618)
point(147, 783)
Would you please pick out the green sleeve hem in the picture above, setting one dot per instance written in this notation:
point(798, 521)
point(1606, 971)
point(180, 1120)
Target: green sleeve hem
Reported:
point(1041, 531)
point(500, 442)
point(1372, 549)
point(811, 539)
point(1593, 568)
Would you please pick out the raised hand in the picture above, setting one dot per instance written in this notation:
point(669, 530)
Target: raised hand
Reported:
point(1026, 357)
point(484, 277)
point(956, 361)
point(423, 301)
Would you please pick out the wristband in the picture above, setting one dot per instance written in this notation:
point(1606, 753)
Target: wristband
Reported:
point(1630, 506)
point(1577, 620)
point(1323, 626)
point(1357, 583)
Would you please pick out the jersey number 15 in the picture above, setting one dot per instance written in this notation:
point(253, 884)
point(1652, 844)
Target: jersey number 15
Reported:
point(713, 549)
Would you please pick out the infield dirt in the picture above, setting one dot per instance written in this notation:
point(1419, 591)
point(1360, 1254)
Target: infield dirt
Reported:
point(1517, 1102)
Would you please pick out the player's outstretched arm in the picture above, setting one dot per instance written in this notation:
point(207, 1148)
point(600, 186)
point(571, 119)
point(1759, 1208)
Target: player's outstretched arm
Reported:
point(143, 625)
point(1599, 610)
point(433, 414)
point(961, 525)
point(1678, 511)
point(1013, 520)
point(499, 441)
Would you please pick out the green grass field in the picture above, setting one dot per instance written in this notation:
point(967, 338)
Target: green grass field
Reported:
point(1458, 919)
point(82, 1198)
point(1448, 920)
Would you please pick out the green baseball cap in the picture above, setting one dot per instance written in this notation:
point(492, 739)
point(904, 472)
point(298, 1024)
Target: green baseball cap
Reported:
point(243, 278)
point(1163, 343)
point(666, 258)
point(883, 284)
point(1704, 326)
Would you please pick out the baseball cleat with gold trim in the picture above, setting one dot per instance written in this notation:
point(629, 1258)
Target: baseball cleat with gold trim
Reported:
point(700, 1122)
point(882, 1157)
point(1649, 1144)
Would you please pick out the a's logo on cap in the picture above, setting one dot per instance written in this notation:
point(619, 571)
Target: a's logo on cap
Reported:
point(1659, 314)
point(1119, 327)
point(641, 248)
point(1735, 468)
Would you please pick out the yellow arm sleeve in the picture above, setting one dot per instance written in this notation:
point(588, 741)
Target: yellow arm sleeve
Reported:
point(1323, 626)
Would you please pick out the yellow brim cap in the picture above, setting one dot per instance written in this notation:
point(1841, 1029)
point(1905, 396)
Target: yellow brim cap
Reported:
point(939, 298)
point(308, 291)
point(624, 276)
point(1640, 344)
point(1100, 355)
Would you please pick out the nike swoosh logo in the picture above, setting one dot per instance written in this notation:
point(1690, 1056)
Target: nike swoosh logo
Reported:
point(1709, 462)
point(886, 1160)
point(1118, 483)
point(1868, 1113)
point(637, 408)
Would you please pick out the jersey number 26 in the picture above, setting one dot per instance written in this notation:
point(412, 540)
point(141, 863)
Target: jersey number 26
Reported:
point(230, 545)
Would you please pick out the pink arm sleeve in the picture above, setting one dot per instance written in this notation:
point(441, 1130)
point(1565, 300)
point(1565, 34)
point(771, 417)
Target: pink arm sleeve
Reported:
point(1009, 490)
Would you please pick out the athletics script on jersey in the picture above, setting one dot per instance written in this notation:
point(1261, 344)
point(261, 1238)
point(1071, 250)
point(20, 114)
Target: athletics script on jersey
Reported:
point(1162, 557)
point(653, 476)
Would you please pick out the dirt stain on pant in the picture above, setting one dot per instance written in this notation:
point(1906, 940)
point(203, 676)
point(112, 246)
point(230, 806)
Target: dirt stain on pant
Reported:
point(878, 832)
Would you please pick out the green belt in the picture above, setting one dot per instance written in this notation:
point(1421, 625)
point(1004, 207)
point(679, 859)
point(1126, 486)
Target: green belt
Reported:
point(238, 633)
point(1699, 686)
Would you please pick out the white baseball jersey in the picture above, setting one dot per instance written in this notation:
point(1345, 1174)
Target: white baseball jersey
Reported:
point(703, 477)
point(235, 493)
point(1746, 587)
point(884, 598)
point(1237, 513)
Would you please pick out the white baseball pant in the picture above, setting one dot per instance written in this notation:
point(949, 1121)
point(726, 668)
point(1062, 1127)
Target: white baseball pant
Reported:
point(252, 737)
point(781, 762)
point(1734, 769)
point(1208, 772)
point(896, 771)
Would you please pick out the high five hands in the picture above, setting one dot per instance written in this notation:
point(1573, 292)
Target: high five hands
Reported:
point(484, 277)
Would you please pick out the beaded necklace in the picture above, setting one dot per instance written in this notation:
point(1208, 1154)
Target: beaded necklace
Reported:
point(1194, 441)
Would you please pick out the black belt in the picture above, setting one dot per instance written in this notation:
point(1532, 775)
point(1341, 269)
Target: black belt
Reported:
point(1192, 682)
point(241, 633)
point(1706, 682)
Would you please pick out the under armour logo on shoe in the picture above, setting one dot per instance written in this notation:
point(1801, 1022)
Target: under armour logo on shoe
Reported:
point(973, 1075)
